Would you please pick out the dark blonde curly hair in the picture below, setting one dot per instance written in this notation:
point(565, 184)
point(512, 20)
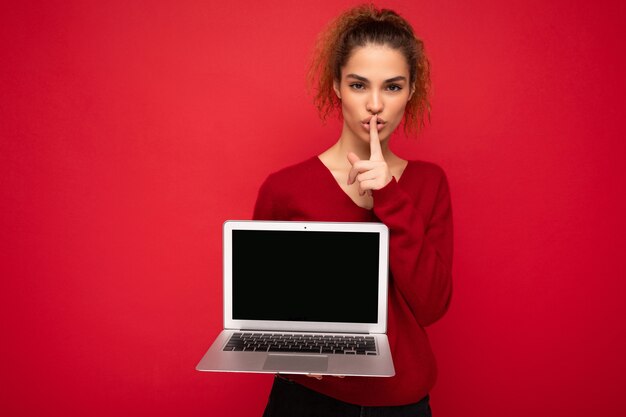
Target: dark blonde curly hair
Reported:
point(359, 26)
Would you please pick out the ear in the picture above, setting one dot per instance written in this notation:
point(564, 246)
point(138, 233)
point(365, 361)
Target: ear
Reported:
point(336, 88)
point(412, 92)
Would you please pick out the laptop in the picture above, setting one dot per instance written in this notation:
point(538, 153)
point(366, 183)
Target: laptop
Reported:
point(303, 297)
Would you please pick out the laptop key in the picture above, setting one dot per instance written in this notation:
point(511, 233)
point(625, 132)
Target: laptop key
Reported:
point(285, 349)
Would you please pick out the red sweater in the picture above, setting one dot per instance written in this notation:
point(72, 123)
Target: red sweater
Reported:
point(418, 212)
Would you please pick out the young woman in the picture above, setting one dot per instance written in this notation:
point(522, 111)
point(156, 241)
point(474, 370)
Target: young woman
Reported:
point(370, 65)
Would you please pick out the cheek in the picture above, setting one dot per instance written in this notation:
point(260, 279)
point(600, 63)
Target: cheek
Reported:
point(399, 107)
point(350, 108)
point(398, 114)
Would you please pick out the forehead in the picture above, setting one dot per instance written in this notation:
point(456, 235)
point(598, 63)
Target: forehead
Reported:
point(376, 62)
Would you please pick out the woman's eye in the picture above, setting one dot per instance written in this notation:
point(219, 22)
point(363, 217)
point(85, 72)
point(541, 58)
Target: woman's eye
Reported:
point(395, 87)
point(357, 86)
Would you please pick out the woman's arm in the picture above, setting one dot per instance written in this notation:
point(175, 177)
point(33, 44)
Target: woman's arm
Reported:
point(420, 248)
point(264, 207)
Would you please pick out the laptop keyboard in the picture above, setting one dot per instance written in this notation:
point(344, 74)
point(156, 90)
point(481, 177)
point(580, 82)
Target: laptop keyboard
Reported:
point(303, 343)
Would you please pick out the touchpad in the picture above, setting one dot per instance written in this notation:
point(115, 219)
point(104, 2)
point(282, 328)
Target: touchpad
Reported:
point(296, 363)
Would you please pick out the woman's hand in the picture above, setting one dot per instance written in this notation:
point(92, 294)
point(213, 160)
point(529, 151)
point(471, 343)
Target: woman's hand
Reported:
point(374, 173)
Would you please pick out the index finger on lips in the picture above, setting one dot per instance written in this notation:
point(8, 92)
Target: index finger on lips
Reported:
point(376, 153)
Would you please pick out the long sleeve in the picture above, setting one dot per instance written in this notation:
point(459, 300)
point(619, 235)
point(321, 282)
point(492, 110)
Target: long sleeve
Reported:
point(420, 247)
point(264, 206)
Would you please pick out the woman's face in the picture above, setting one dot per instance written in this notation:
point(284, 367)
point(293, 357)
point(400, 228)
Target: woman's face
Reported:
point(375, 80)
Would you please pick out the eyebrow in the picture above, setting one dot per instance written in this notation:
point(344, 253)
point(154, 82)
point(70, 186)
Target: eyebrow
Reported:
point(365, 80)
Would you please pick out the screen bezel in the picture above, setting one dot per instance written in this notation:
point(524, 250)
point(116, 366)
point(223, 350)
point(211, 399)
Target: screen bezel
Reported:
point(381, 324)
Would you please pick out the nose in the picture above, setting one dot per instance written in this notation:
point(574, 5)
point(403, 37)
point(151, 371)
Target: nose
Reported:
point(374, 103)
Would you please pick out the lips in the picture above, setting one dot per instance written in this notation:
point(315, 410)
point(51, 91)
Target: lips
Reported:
point(378, 120)
point(380, 124)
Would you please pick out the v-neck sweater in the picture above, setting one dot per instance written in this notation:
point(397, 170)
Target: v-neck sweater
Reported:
point(417, 209)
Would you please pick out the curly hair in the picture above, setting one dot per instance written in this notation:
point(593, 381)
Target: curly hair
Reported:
point(359, 26)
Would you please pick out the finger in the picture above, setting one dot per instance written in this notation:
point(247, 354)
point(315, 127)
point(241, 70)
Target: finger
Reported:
point(354, 171)
point(364, 168)
point(366, 175)
point(316, 376)
point(367, 186)
point(353, 158)
point(376, 153)
point(352, 175)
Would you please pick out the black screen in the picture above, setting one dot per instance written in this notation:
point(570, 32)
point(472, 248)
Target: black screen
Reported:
point(305, 276)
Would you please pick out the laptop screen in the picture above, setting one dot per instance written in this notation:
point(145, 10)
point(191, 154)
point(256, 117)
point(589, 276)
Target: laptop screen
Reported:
point(311, 276)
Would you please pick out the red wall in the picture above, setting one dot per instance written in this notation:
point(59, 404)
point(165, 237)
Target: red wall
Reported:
point(131, 130)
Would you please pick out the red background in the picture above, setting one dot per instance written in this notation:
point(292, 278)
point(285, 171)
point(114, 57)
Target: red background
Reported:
point(131, 130)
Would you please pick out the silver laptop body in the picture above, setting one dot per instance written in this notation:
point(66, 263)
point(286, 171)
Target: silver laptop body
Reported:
point(303, 298)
